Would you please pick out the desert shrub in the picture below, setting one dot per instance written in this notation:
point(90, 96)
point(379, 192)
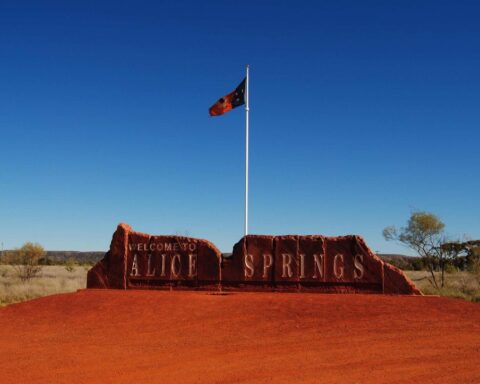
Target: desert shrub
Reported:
point(25, 260)
point(3, 271)
point(450, 268)
point(70, 265)
point(417, 264)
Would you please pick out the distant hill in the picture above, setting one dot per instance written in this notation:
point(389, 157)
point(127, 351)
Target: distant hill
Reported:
point(60, 257)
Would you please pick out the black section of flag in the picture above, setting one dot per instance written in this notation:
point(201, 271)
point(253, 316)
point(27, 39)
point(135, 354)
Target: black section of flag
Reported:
point(239, 95)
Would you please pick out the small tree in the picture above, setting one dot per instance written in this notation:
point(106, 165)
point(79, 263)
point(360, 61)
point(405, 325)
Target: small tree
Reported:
point(469, 255)
point(25, 260)
point(424, 234)
point(472, 249)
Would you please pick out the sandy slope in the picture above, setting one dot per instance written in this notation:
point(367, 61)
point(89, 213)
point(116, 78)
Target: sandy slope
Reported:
point(194, 337)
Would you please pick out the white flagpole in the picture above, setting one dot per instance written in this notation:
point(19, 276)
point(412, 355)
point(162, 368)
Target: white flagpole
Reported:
point(247, 108)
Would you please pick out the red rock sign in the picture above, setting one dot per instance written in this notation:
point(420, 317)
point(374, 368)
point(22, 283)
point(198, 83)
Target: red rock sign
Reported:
point(284, 263)
point(139, 260)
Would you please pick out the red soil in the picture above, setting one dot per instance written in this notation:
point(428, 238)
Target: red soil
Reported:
point(111, 336)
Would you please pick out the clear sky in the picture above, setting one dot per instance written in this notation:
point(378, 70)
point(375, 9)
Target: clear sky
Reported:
point(361, 111)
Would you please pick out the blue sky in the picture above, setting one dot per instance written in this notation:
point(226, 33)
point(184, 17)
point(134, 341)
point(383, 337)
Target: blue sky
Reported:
point(360, 113)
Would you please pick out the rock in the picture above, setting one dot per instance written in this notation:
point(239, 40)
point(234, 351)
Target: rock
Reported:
point(396, 282)
point(139, 260)
point(342, 264)
point(297, 263)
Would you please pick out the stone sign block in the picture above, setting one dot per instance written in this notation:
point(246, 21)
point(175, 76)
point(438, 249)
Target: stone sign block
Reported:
point(296, 263)
point(156, 262)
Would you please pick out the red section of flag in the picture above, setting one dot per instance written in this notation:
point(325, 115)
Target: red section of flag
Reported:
point(223, 105)
point(227, 103)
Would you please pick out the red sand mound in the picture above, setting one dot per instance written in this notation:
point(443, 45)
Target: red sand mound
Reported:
point(112, 336)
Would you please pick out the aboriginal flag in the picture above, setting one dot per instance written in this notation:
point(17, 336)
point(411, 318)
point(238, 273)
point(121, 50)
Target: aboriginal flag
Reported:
point(230, 101)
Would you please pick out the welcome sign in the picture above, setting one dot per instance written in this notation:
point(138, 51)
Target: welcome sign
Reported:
point(285, 263)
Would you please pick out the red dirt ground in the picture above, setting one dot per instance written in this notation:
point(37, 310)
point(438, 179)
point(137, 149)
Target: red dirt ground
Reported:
point(107, 336)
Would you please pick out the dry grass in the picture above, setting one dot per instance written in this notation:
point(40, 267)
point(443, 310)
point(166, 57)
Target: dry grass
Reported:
point(57, 279)
point(51, 280)
point(464, 285)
